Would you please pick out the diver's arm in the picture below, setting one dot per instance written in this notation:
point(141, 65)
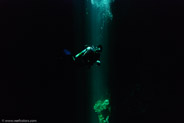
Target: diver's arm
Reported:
point(98, 62)
point(83, 52)
point(79, 54)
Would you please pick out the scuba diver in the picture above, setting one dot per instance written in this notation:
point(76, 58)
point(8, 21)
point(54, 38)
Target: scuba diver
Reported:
point(86, 57)
point(89, 56)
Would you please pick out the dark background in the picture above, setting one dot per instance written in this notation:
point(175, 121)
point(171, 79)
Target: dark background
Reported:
point(146, 60)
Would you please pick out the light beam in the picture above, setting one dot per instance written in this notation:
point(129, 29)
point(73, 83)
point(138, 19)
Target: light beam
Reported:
point(99, 16)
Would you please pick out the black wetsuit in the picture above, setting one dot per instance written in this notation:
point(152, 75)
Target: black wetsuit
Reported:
point(88, 56)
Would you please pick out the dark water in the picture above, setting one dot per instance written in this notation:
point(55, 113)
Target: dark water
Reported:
point(146, 67)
